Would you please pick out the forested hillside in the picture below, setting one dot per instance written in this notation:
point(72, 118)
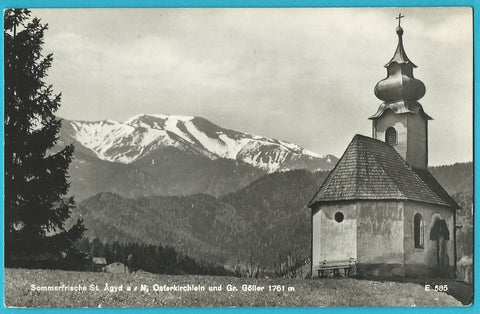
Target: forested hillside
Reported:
point(196, 225)
point(456, 178)
point(275, 207)
point(253, 223)
point(261, 223)
point(156, 259)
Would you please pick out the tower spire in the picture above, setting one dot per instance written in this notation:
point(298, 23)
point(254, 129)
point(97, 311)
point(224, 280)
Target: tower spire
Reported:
point(400, 56)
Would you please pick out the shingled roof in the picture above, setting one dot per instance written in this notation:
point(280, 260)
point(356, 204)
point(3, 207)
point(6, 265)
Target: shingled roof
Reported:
point(373, 170)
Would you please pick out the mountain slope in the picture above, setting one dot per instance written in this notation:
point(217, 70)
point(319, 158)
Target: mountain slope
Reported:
point(275, 206)
point(196, 225)
point(455, 178)
point(90, 176)
point(173, 155)
point(143, 135)
point(178, 173)
point(254, 222)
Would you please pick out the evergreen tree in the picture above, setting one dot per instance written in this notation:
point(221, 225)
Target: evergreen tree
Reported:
point(35, 171)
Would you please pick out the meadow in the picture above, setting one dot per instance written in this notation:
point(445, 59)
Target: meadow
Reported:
point(51, 288)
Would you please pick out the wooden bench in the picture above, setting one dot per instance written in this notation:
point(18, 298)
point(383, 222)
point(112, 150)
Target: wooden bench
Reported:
point(335, 266)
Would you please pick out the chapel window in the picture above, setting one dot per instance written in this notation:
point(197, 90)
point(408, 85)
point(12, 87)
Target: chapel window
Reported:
point(418, 231)
point(339, 217)
point(391, 136)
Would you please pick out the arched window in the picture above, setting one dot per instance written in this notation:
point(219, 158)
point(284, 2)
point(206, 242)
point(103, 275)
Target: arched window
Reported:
point(391, 136)
point(418, 231)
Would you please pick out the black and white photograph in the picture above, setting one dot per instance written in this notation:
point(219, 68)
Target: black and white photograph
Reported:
point(238, 157)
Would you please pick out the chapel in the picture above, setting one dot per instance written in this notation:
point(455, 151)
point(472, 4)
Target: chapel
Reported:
point(379, 206)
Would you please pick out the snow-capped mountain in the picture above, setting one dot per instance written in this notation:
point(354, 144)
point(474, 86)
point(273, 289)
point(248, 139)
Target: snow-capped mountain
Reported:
point(142, 136)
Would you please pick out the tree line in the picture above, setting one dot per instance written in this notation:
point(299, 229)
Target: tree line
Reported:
point(156, 259)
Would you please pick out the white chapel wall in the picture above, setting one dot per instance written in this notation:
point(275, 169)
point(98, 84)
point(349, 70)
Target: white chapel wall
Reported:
point(334, 240)
point(380, 236)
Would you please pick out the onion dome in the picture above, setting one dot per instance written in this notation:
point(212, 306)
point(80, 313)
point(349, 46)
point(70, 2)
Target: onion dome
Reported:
point(400, 85)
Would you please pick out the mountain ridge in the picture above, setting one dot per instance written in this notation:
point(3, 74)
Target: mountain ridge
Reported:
point(173, 155)
point(139, 136)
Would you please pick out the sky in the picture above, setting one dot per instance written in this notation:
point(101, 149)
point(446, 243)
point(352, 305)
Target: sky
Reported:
point(302, 75)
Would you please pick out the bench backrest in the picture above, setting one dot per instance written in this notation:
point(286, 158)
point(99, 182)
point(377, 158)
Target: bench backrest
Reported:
point(327, 263)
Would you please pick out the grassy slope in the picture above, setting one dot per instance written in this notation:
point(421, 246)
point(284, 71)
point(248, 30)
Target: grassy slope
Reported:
point(308, 293)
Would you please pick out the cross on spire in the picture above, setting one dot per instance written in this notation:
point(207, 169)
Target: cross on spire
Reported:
point(399, 18)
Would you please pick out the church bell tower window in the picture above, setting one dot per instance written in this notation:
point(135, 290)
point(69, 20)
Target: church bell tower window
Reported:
point(418, 231)
point(391, 136)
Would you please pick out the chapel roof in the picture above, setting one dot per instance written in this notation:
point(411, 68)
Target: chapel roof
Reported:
point(373, 170)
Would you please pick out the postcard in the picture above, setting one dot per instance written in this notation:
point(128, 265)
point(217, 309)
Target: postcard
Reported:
point(238, 157)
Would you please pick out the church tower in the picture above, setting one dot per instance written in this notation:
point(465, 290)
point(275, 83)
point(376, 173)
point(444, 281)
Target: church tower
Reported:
point(400, 120)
